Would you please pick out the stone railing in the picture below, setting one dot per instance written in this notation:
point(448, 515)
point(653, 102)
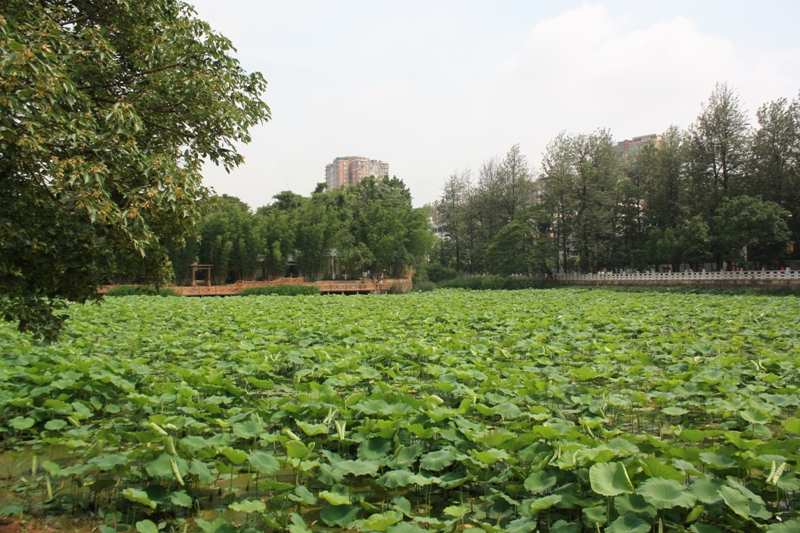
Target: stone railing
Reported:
point(739, 277)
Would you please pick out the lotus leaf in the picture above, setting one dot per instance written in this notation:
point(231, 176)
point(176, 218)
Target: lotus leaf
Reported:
point(382, 521)
point(742, 504)
point(263, 462)
point(406, 527)
point(248, 506)
point(146, 526)
point(594, 516)
point(138, 496)
point(610, 479)
point(540, 481)
point(338, 515)
point(664, 493)
point(374, 449)
point(628, 523)
point(706, 490)
point(634, 504)
point(546, 502)
point(438, 460)
point(396, 478)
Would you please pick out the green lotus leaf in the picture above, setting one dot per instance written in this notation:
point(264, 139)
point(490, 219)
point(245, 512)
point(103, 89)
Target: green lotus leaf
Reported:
point(717, 460)
point(456, 511)
point(303, 495)
point(546, 502)
point(406, 527)
point(790, 526)
point(265, 463)
point(706, 490)
point(405, 456)
point(202, 472)
point(313, 429)
point(665, 493)
point(55, 425)
point(146, 526)
point(792, 425)
point(495, 438)
point(298, 525)
point(161, 466)
point(358, 467)
point(438, 460)
point(338, 515)
point(742, 504)
point(508, 411)
point(395, 478)
point(335, 498)
point(540, 481)
point(634, 504)
point(399, 503)
point(628, 523)
point(248, 429)
point(109, 461)
point(693, 435)
point(674, 411)
point(491, 456)
point(193, 443)
point(521, 525)
point(138, 496)
point(372, 407)
point(622, 447)
point(274, 485)
point(374, 449)
point(248, 506)
point(180, 498)
point(594, 516)
point(296, 449)
point(546, 432)
point(610, 479)
point(421, 431)
point(755, 416)
point(655, 468)
point(21, 422)
point(565, 527)
point(382, 521)
point(235, 456)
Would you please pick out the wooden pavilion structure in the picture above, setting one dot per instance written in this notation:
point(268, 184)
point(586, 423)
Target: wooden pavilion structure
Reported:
point(195, 268)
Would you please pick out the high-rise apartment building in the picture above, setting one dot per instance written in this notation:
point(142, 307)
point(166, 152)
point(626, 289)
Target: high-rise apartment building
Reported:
point(630, 146)
point(346, 171)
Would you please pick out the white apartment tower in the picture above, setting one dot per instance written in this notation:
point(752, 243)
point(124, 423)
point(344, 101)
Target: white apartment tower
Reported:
point(350, 170)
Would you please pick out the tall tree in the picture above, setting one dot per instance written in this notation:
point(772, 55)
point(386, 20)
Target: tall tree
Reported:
point(774, 166)
point(559, 192)
point(717, 151)
point(598, 172)
point(108, 111)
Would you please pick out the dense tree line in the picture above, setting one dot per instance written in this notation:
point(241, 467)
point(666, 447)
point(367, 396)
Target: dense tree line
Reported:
point(369, 227)
point(720, 192)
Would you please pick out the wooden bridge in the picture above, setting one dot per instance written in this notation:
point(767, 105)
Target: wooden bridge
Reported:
point(358, 286)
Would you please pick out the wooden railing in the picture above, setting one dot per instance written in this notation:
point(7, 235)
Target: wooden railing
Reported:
point(335, 286)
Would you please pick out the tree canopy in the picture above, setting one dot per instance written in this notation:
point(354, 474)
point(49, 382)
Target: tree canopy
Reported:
point(719, 191)
point(108, 110)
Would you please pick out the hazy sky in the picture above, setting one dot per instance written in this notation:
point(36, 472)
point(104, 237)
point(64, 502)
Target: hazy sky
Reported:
point(437, 86)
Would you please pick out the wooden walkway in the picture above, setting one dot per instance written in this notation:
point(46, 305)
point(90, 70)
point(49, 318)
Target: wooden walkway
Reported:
point(363, 286)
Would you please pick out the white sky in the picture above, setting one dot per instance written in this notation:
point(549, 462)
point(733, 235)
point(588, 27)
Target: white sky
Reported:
point(434, 87)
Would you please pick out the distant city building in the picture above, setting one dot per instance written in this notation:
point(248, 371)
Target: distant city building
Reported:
point(346, 171)
point(630, 146)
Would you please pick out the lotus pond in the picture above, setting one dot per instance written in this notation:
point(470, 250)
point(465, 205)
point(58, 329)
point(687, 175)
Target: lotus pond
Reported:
point(552, 410)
